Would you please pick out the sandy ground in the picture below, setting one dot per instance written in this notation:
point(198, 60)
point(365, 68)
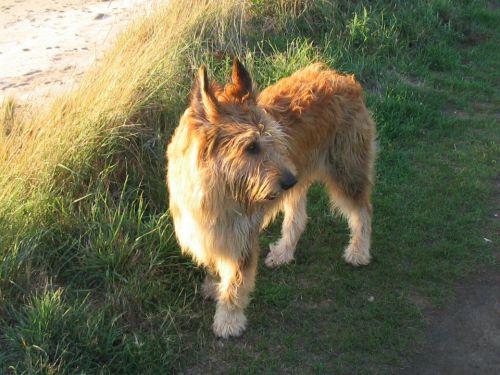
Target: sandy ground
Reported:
point(46, 45)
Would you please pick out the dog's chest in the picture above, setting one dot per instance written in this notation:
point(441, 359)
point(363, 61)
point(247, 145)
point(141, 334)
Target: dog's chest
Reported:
point(237, 232)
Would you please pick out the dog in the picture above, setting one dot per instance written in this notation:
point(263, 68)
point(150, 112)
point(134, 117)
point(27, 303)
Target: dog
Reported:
point(238, 158)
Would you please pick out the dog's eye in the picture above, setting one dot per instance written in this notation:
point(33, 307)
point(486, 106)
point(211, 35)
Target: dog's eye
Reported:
point(253, 148)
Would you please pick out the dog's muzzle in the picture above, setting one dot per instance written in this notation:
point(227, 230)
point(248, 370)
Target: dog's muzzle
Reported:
point(287, 181)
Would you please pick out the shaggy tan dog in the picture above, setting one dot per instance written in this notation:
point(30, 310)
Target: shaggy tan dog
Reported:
point(238, 158)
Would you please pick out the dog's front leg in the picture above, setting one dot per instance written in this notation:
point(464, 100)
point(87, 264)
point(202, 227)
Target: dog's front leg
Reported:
point(237, 281)
point(294, 223)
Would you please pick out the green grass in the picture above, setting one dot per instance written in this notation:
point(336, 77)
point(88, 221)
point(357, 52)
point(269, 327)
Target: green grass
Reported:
point(91, 279)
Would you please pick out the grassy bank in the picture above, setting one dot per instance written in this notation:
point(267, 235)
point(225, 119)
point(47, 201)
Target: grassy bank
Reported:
point(91, 279)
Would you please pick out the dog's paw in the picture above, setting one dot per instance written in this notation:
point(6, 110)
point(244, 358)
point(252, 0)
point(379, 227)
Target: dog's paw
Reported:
point(357, 257)
point(229, 324)
point(209, 288)
point(277, 257)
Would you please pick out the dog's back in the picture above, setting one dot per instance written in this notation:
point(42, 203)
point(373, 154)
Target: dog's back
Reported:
point(324, 114)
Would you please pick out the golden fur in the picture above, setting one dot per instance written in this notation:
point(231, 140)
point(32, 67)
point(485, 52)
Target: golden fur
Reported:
point(238, 158)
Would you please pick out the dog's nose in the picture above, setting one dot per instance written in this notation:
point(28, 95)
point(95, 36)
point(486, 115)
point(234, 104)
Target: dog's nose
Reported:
point(287, 181)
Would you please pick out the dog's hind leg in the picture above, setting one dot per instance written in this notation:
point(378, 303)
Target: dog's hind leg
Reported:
point(349, 175)
point(237, 281)
point(294, 223)
point(358, 211)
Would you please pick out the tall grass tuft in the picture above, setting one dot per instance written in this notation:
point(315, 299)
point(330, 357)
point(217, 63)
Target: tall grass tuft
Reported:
point(148, 63)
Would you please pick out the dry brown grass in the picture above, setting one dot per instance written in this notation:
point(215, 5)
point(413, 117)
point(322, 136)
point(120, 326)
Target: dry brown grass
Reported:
point(70, 134)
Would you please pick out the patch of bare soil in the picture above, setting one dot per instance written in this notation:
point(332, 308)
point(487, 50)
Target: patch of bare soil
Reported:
point(464, 338)
point(407, 79)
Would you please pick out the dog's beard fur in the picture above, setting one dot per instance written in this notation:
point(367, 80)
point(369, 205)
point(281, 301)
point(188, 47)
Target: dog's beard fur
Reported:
point(234, 159)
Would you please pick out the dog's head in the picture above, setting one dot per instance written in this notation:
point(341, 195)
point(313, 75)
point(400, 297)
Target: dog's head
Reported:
point(243, 147)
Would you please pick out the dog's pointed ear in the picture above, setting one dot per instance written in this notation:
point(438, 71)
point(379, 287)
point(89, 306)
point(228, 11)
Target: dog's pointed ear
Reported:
point(241, 86)
point(203, 99)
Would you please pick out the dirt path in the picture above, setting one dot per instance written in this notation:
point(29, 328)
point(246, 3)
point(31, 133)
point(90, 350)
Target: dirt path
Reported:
point(464, 339)
point(46, 45)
